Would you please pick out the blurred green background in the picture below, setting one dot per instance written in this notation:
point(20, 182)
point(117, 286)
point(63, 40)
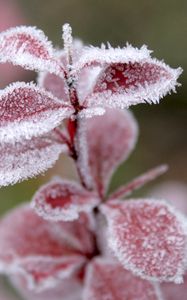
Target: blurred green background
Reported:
point(162, 25)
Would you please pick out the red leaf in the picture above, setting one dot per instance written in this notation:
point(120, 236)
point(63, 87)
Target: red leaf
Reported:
point(28, 159)
point(108, 280)
point(28, 47)
point(110, 139)
point(148, 237)
point(62, 200)
point(28, 111)
point(67, 289)
point(129, 76)
point(121, 85)
point(41, 251)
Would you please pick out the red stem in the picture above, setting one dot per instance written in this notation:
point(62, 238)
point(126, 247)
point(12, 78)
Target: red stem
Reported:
point(138, 182)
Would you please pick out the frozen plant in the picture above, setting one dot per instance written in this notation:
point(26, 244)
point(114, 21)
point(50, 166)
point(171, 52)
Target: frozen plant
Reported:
point(176, 193)
point(75, 242)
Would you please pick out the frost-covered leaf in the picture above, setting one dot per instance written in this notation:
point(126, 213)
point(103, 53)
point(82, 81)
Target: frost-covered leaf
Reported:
point(129, 80)
point(148, 237)
point(108, 280)
point(28, 47)
point(62, 200)
point(40, 251)
point(110, 139)
point(172, 291)
point(86, 81)
point(54, 84)
point(27, 111)
point(102, 57)
point(28, 158)
point(91, 112)
point(67, 289)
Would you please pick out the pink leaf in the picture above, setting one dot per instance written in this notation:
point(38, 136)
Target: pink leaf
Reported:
point(148, 237)
point(28, 47)
point(86, 81)
point(42, 252)
point(62, 200)
point(28, 111)
point(110, 139)
point(173, 291)
point(66, 289)
point(106, 279)
point(129, 76)
point(28, 158)
point(80, 234)
point(54, 84)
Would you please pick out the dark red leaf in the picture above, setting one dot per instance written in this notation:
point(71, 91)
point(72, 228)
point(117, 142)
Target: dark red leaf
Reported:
point(28, 111)
point(62, 200)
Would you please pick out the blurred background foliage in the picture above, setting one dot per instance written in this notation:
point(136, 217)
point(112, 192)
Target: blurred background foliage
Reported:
point(162, 25)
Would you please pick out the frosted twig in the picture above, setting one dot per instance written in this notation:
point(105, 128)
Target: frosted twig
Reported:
point(68, 42)
point(138, 182)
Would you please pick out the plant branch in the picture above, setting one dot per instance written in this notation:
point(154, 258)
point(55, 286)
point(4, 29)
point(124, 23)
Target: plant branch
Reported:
point(138, 182)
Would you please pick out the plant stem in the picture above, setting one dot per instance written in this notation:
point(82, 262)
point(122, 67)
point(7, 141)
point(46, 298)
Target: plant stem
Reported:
point(75, 127)
point(138, 182)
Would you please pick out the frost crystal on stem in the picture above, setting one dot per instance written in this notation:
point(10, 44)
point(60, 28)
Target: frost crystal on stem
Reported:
point(75, 241)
